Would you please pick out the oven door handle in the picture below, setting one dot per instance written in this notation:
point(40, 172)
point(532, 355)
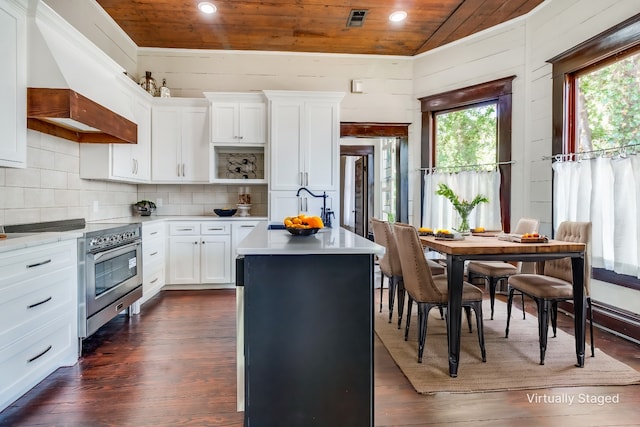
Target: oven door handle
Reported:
point(116, 251)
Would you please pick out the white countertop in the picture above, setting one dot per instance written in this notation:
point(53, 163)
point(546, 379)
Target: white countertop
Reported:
point(17, 241)
point(262, 241)
point(154, 218)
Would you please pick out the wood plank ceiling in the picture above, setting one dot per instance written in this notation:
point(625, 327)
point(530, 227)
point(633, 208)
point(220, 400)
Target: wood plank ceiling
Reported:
point(309, 25)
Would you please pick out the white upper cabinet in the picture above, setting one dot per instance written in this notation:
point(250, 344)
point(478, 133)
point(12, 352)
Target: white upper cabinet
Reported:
point(237, 118)
point(13, 85)
point(133, 161)
point(180, 140)
point(123, 162)
point(304, 140)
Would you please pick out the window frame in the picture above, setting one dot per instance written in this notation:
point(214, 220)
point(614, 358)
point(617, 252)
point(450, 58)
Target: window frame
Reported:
point(606, 47)
point(498, 91)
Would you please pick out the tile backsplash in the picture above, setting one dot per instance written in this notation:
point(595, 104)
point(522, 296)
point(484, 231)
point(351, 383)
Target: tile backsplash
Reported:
point(50, 189)
point(201, 199)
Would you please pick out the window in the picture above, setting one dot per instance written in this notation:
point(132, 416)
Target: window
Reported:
point(464, 106)
point(596, 106)
point(607, 104)
point(466, 136)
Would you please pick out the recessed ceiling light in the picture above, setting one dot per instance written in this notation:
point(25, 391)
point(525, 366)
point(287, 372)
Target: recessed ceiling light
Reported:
point(398, 16)
point(207, 7)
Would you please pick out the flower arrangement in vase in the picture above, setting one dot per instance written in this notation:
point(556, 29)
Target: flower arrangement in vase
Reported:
point(463, 207)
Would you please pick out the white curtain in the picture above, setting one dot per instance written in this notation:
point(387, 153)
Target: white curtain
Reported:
point(606, 192)
point(438, 212)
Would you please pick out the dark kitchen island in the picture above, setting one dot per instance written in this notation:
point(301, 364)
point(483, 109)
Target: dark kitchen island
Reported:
point(305, 326)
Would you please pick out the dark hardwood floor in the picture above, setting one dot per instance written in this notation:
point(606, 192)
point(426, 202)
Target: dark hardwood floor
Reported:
point(174, 365)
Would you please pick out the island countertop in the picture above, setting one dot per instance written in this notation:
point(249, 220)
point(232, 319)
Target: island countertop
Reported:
point(262, 241)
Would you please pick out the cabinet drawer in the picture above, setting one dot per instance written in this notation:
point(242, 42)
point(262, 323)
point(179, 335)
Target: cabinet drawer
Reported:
point(28, 304)
point(28, 361)
point(184, 229)
point(215, 228)
point(23, 264)
point(152, 251)
point(150, 231)
point(153, 279)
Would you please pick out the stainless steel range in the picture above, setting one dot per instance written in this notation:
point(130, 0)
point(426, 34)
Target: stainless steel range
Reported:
point(109, 268)
point(109, 273)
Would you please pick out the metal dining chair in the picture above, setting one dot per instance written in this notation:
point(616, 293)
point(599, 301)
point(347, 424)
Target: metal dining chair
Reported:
point(493, 272)
point(555, 284)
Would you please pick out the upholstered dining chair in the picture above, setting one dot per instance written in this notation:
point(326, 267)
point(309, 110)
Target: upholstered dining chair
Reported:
point(555, 284)
point(389, 264)
point(391, 268)
point(495, 271)
point(430, 291)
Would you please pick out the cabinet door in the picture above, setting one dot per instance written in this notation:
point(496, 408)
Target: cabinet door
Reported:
point(215, 259)
point(166, 153)
point(141, 151)
point(224, 122)
point(286, 157)
point(195, 144)
point(283, 204)
point(184, 260)
point(13, 86)
point(252, 122)
point(123, 163)
point(320, 145)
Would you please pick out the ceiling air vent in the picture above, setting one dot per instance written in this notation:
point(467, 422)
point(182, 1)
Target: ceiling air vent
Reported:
point(356, 17)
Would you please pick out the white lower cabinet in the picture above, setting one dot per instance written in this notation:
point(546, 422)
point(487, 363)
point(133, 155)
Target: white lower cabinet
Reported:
point(38, 315)
point(239, 231)
point(153, 256)
point(199, 252)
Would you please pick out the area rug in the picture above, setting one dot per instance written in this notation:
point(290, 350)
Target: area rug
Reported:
point(512, 363)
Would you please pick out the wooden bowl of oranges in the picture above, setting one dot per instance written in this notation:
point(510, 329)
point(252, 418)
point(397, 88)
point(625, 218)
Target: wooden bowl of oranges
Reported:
point(303, 225)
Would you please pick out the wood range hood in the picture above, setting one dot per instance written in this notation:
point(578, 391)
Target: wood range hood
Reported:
point(67, 114)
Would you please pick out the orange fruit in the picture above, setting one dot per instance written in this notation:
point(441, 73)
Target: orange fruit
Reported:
point(315, 222)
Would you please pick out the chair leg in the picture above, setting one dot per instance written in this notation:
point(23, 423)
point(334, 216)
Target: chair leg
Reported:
point(423, 315)
point(441, 312)
point(477, 308)
point(493, 281)
point(590, 308)
point(381, 288)
point(509, 303)
point(467, 312)
point(554, 317)
point(401, 293)
point(409, 308)
point(543, 325)
point(392, 295)
point(524, 313)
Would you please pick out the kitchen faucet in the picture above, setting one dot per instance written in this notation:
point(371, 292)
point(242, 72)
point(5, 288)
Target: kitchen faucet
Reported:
point(326, 214)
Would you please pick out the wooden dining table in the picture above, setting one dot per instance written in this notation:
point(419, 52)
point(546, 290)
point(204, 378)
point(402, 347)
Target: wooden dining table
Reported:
point(491, 248)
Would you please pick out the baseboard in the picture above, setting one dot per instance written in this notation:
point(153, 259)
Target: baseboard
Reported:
point(612, 319)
